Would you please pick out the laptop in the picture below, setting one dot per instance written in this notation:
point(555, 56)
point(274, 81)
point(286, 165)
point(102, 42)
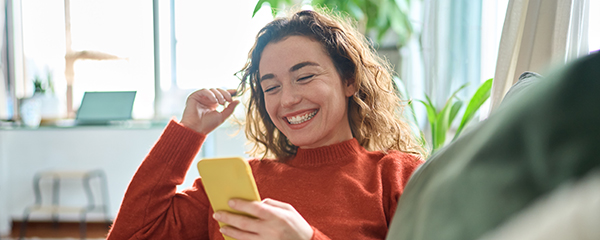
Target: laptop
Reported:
point(102, 108)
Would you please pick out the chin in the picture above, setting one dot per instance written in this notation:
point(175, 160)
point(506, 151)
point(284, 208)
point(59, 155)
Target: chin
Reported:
point(301, 142)
point(306, 143)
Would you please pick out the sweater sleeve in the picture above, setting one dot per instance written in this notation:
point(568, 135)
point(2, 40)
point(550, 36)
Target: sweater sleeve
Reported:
point(396, 171)
point(152, 208)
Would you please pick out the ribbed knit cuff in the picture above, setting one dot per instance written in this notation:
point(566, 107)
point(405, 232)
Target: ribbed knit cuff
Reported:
point(177, 147)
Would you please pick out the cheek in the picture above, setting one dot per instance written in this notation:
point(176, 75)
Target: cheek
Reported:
point(269, 107)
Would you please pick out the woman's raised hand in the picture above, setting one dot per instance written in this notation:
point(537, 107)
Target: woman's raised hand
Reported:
point(201, 113)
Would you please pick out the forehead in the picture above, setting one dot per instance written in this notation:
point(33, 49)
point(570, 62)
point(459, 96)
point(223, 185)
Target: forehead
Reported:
point(283, 54)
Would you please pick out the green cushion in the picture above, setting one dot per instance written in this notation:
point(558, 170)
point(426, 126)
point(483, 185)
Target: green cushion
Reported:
point(527, 148)
point(526, 81)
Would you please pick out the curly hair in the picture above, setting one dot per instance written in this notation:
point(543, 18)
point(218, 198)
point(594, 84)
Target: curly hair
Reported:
point(374, 111)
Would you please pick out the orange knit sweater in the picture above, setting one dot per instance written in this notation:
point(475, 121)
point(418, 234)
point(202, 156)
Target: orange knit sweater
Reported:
point(342, 190)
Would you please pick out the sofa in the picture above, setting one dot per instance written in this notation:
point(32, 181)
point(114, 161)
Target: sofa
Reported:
point(517, 169)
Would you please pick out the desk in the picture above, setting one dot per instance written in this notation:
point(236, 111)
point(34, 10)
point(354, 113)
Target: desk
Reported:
point(117, 150)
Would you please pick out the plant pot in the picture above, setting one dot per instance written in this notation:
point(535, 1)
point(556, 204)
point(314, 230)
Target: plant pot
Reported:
point(31, 112)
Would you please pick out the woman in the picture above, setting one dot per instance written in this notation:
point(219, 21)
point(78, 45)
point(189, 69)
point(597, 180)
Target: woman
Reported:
point(324, 116)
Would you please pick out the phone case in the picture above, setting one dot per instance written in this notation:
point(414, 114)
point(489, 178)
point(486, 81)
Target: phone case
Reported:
point(227, 178)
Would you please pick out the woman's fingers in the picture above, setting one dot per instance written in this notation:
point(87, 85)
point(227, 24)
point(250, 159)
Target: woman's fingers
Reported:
point(240, 222)
point(227, 111)
point(218, 93)
point(238, 234)
point(233, 92)
point(204, 96)
point(202, 112)
point(253, 208)
point(278, 204)
point(226, 94)
point(214, 96)
point(274, 220)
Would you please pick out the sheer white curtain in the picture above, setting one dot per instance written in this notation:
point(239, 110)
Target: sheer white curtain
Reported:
point(538, 34)
point(4, 217)
point(451, 47)
point(4, 114)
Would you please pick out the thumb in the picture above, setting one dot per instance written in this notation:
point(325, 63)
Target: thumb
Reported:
point(229, 109)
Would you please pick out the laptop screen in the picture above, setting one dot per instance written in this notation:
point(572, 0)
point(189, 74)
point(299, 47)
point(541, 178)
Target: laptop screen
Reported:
point(102, 107)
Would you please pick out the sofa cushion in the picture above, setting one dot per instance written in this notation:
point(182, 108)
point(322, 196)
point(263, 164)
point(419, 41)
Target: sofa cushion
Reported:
point(525, 150)
point(526, 81)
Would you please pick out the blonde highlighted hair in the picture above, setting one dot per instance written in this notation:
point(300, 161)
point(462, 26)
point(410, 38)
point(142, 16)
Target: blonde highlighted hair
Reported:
point(374, 111)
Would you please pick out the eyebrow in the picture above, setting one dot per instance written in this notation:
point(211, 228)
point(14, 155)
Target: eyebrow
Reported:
point(292, 69)
point(302, 64)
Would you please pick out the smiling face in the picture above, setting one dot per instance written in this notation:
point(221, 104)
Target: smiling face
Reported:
point(304, 94)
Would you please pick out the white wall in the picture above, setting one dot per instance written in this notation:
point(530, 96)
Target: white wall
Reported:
point(118, 151)
point(4, 220)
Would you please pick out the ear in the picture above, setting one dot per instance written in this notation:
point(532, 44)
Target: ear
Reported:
point(349, 88)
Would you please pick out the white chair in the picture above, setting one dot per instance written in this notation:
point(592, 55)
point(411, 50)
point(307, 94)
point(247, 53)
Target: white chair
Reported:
point(55, 208)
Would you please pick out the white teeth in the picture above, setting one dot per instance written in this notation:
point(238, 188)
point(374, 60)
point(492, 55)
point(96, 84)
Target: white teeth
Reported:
point(301, 118)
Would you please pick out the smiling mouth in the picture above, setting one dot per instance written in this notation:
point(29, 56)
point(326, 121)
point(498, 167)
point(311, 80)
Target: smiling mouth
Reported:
point(301, 118)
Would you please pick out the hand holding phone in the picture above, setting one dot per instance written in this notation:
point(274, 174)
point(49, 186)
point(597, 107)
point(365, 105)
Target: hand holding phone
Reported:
point(227, 178)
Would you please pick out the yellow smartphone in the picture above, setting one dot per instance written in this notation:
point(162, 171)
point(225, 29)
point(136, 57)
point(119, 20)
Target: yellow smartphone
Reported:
point(227, 178)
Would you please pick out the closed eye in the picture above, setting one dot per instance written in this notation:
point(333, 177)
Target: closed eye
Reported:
point(306, 78)
point(270, 89)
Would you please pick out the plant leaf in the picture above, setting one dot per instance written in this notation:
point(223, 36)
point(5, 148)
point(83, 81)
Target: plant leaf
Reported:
point(442, 124)
point(458, 90)
point(355, 11)
point(399, 21)
point(442, 121)
point(400, 88)
point(481, 95)
point(449, 106)
point(454, 111)
point(432, 118)
point(258, 6)
point(422, 141)
point(431, 112)
point(430, 103)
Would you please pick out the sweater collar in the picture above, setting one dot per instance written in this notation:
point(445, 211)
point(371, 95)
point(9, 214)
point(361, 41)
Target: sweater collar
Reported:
point(327, 154)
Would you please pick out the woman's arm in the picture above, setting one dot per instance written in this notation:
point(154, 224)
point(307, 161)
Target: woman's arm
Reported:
point(151, 207)
point(396, 168)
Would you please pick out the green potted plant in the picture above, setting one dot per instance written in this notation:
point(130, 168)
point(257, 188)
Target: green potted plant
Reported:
point(440, 119)
point(49, 103)
point(38, 85)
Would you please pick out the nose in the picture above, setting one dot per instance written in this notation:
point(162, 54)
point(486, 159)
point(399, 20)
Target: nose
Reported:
point(290, 96)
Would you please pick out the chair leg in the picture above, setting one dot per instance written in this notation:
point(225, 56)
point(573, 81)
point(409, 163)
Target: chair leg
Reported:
point(55, 199)
point(82, 226)
point(24, 224)
point(105, 198)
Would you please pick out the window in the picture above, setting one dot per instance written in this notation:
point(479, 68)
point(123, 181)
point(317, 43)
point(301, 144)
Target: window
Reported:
point(202, 44)
point(123, 36)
